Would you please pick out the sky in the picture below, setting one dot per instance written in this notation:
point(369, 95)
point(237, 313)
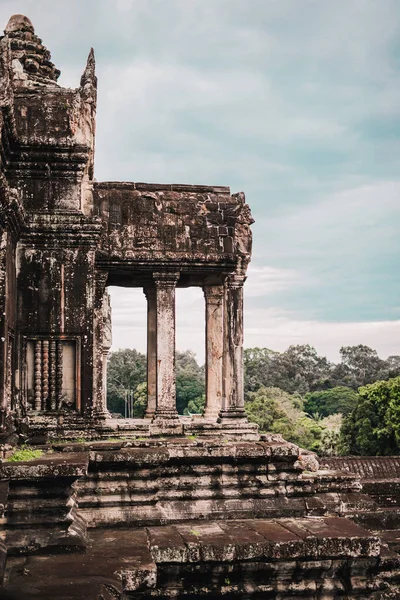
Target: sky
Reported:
point(294, 102)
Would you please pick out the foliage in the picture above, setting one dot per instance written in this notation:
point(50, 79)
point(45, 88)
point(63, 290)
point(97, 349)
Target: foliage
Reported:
point(360, 365)
point(25, 453)
point(328, 402)
point(140, 404)
point(330, 437)
point(127, 374)
point(195, 407)
point(126, 369)
point(190, 387)
point(275, 383)
point(373, 427)
point(276, 411)
point(258, 364)
point(300, 369)
point(297, 369)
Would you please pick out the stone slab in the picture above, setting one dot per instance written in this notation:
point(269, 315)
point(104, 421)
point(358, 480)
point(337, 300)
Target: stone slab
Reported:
point(47, 467)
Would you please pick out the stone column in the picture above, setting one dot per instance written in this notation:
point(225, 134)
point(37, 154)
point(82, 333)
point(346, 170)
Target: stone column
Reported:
point(150, 293)
point(99, 407)
point(233, 366)
point(214, 301)
point(166, 420)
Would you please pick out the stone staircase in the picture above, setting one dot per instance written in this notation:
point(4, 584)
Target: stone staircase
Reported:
point(380, 479)
point(154, 483)
point(189, 518)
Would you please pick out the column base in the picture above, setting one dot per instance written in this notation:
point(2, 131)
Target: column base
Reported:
point(166, 423)
point(149, 414)
point(101, 414)
point(211, 414)
point(227, 416)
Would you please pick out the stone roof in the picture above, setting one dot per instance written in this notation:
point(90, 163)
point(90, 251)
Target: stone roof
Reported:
point(31, 61)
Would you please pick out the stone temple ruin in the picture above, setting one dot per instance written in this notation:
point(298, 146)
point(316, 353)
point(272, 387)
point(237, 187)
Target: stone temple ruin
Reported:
point(164, 506)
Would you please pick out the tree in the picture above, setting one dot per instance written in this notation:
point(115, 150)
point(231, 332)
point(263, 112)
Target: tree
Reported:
point(360, 365)
point(373, 427)
point(257, 368)
point(393, 366)
point(195, 407)
point(300, 369)
point(328, 402)
point(189, 380)
point(140, 397)
point(297, 369)
point(276, 411)
point(126, 369)
point(330, 438)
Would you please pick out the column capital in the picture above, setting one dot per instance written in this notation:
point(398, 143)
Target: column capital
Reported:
point(213, 293)
point(235, 280)
point(166, 279)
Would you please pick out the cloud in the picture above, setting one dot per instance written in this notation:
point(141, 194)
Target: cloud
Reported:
point(296, 103)
point(269, 327)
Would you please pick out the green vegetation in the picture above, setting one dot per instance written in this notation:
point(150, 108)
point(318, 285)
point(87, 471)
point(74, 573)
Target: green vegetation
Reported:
point(339, 399)
point(373, 427)
point(297, 393)
point(78, 440)
point(126, 383)
point(25, 453)
point(125, 371)
point(276, 411)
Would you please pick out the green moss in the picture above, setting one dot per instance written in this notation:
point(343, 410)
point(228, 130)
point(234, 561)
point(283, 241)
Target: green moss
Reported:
point(25, 453)
point(195, 532)
point(64, 441)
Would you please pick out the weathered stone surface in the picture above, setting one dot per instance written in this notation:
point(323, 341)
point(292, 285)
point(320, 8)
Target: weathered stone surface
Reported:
point(248, 559)
point(39, 504)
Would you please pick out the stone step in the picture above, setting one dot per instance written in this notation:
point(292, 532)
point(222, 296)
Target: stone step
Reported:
point(391, 537)
point(326, 558)
point(379, 519)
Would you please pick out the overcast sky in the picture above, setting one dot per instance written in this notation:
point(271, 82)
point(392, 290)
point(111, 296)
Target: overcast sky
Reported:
point(295, 102)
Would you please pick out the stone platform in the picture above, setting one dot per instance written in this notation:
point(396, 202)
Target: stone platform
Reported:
point(48, 428)
point(380, 478)
point(187, 518)
point(280, 558)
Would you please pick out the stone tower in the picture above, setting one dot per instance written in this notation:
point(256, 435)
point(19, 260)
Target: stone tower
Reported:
point(65, 238)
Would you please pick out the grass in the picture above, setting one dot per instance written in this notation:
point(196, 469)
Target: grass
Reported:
point(25, 453)
point(79, 440)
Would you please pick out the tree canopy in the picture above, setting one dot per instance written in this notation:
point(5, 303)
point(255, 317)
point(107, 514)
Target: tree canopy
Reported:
point(373, 427)
point(126, 369)
point(297, 393)
point(328, 402)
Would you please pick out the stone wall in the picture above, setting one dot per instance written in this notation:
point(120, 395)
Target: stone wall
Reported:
point(173, 222)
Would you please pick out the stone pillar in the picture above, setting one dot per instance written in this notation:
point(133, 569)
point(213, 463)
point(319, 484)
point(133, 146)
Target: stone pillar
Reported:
point(150, 293)
point(166, 420)
point(214, 301)
point(233, 366)
point(99, 407)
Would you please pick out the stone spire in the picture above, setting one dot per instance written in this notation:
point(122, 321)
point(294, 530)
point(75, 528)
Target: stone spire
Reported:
point(31, 62)
point(88, 75)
